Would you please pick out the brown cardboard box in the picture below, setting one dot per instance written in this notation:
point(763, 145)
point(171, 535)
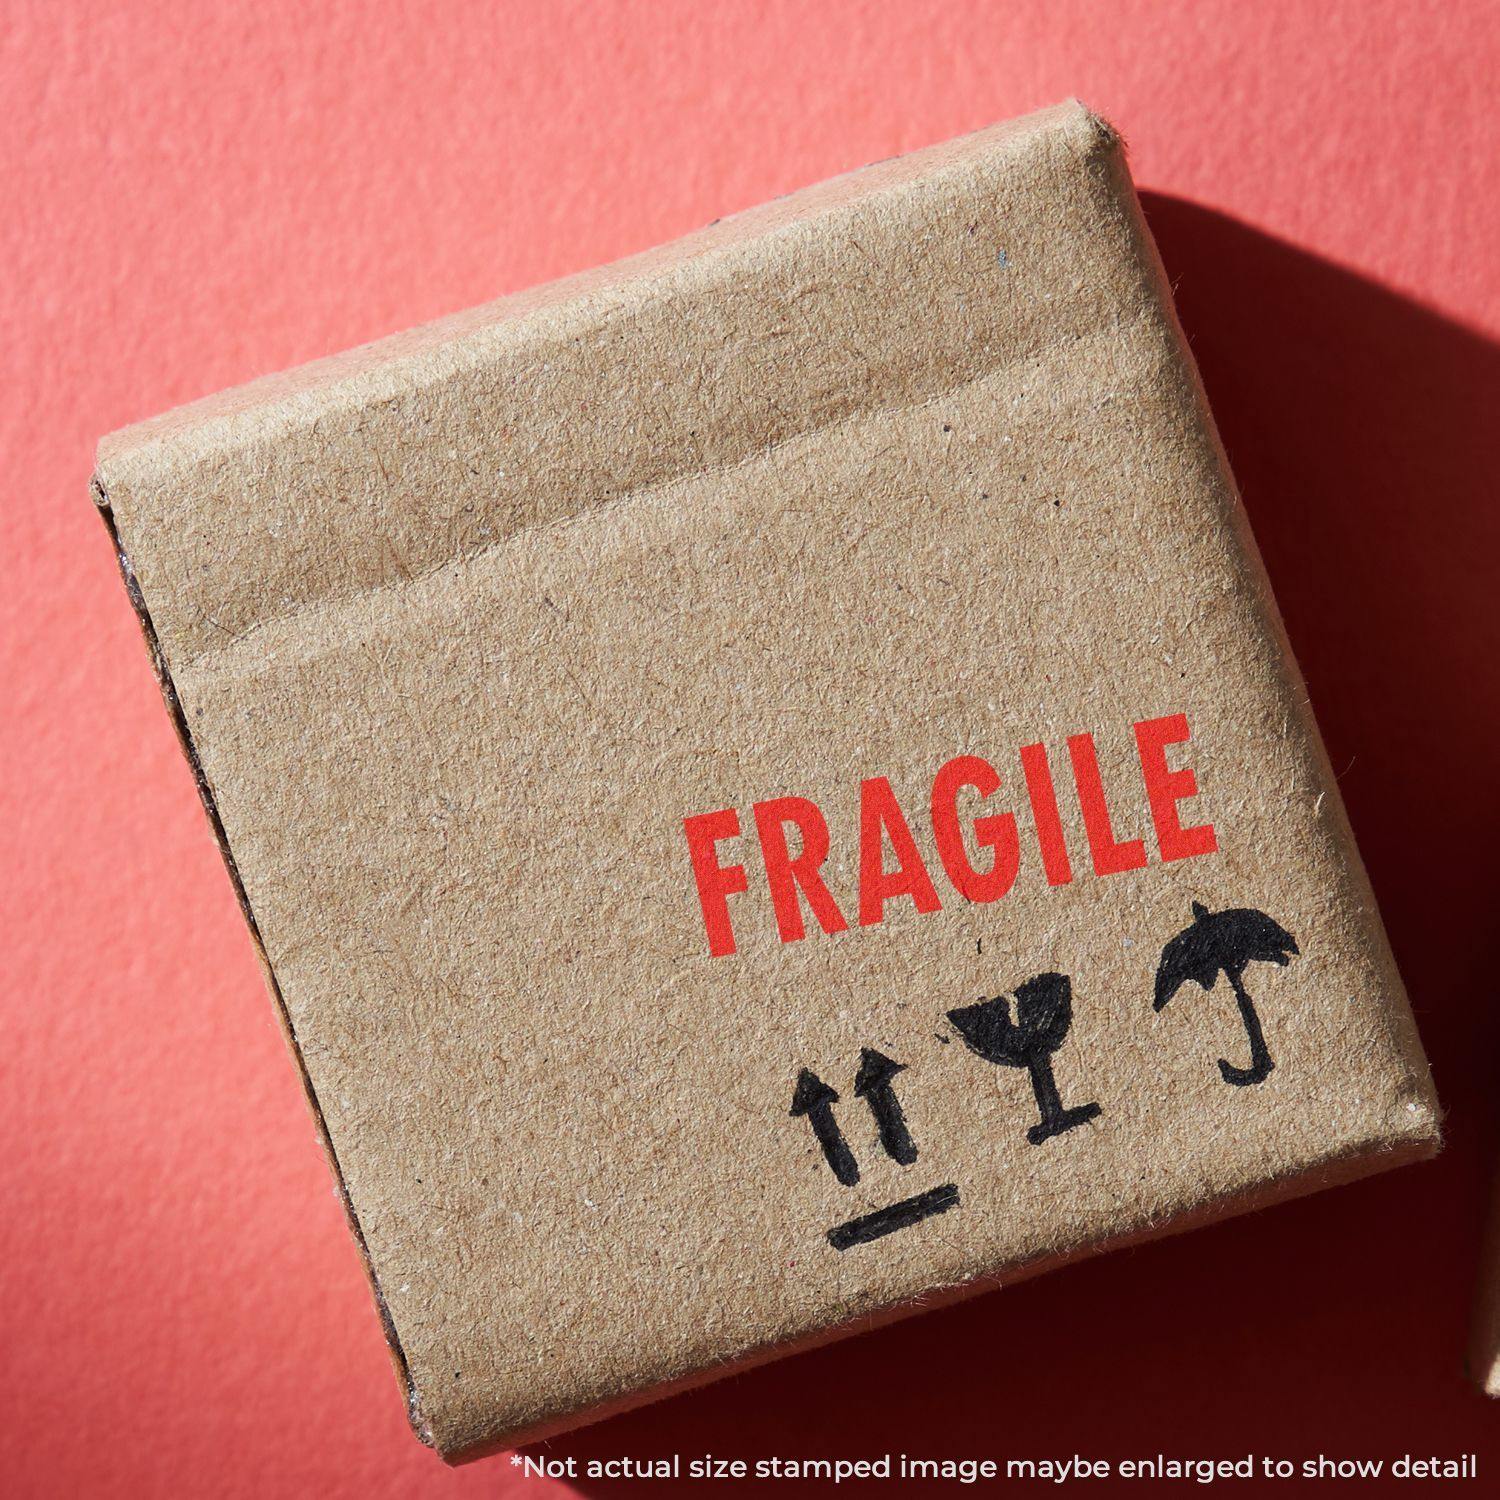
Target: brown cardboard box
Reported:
point(530, 662)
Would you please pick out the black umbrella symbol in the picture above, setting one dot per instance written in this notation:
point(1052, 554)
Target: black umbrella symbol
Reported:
point(1044, 1012)
point(1227, 943)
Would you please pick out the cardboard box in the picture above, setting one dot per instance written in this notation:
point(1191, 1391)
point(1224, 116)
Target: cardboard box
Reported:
point(743, 767)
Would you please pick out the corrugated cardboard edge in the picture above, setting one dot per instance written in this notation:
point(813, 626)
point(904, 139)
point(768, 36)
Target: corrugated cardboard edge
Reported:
point(205, 793)
point(417, 356)
point(1399, 1014)
point(1361, 1160)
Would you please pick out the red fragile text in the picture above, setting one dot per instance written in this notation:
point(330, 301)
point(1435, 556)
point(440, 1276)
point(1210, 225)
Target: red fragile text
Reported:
point(981, 856)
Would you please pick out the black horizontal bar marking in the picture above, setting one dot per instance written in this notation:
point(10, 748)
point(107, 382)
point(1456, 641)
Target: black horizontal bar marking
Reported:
point(896, 1216)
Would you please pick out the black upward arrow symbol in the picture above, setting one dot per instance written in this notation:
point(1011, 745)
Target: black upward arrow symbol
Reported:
point(873, 1084)
point(815, 1099)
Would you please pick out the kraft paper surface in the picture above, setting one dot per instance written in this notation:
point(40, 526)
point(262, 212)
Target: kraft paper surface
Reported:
point(769, 783)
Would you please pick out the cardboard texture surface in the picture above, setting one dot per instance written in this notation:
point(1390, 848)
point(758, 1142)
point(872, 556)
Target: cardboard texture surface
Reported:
point(500, 646)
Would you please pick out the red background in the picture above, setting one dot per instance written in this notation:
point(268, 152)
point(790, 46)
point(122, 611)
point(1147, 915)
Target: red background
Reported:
point(195, 195)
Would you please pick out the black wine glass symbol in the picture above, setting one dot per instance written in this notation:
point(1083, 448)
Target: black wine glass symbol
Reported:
point(1044, 1014)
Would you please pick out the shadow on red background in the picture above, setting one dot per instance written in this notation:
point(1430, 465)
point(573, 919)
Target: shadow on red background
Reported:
point(1365, 434)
